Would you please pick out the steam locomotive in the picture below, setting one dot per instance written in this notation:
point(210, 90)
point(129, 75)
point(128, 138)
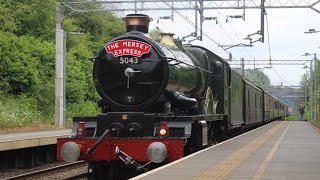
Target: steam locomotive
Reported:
point(159, 101)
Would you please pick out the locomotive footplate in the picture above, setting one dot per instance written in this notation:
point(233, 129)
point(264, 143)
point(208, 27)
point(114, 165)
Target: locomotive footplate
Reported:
point(136, 148)
point(135, 124)
point(142, 123)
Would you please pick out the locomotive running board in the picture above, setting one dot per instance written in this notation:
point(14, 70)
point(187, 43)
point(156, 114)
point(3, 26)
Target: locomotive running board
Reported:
point(207, 117)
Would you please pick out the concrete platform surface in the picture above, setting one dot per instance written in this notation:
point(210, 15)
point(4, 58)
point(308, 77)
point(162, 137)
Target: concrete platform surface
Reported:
point(31, 139)
point(279, 150)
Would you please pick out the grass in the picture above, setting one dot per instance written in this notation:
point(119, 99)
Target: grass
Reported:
point(20, 114)
point(293, 117)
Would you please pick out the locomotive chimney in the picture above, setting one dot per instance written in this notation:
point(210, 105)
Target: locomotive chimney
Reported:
point(137, 22)
point(167, 40)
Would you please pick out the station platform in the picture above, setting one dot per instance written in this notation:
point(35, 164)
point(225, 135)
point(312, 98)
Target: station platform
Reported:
point(278, 150)
point(31, 139)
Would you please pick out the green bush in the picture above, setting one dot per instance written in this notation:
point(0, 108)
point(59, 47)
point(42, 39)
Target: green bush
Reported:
point(18, 111)
point(87, 108)
point(293, 117)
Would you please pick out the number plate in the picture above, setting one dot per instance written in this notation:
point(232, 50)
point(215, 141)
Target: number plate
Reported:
point(129, 60)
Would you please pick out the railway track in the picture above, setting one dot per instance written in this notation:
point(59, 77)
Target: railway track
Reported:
point(76, 170)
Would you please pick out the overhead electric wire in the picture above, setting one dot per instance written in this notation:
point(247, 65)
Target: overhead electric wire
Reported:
point(191, 23)
point(231, 38)
point(278, 75)
point(163, 24)
point(233, 30)
point(218, 23)
point(186, 19)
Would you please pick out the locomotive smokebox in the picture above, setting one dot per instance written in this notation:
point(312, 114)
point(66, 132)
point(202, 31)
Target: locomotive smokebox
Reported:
point(137, 22)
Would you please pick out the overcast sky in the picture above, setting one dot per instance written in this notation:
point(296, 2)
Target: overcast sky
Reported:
point(286, 32)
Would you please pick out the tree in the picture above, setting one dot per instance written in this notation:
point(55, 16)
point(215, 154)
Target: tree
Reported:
point(257, 77)
point(155, 33)
point(30, 17)
point(27, 52)
point(18, 67)
point(305, 80)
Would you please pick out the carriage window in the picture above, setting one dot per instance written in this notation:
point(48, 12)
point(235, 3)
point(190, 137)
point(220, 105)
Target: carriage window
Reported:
point(229, 79)
point(248, 98)
point(255, 99)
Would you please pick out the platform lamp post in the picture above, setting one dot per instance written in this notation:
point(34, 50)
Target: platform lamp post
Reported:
point(61, 57)
point(313, 82)
point(60, 73)
point(311, 31)
point(61, 123)
point(315, 87)
point(60, 61)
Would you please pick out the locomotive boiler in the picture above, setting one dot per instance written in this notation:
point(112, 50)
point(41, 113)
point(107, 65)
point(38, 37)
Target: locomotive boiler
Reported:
point(159, 101)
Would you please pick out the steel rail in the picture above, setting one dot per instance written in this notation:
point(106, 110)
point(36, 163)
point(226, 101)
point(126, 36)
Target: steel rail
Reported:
point(48, 170)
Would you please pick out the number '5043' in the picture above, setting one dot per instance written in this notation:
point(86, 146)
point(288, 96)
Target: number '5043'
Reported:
point(129, 60)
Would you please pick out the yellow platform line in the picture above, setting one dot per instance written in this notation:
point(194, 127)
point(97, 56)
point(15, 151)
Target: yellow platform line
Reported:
point(225, 167)
point(266, 161)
